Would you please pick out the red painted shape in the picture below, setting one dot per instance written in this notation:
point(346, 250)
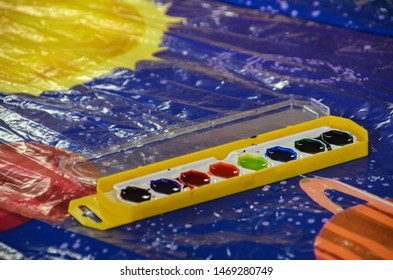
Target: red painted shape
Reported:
point(10, 220)
point(33, 184)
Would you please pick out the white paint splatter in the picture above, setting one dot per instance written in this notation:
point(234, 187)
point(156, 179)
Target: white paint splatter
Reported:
point(310, 221)
point(229, 252)
point(76, 244)
point(284, 5)
point(315, 13)
point(266, 188)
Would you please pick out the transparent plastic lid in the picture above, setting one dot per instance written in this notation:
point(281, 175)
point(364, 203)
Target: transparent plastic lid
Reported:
point(189, 137)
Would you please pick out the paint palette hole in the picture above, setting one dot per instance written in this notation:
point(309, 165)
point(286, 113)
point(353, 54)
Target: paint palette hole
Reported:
point(89, 214)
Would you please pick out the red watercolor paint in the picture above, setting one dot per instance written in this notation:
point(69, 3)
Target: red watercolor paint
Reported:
point(224, 170)
point(194, 178)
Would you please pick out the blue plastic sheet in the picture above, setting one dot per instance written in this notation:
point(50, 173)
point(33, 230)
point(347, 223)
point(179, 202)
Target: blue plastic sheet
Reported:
point(221, 58)
point(370, 16)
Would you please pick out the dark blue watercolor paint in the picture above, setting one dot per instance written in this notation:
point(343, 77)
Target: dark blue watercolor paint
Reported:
point(166, 186)
point(282, 154)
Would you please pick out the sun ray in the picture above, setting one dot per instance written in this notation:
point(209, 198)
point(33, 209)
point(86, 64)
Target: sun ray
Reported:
point(51, 45)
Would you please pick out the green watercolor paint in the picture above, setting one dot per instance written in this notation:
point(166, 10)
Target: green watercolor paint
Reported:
point(252, 162)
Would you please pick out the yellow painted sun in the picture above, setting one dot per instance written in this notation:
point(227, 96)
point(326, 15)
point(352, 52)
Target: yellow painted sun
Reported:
point(53, 45)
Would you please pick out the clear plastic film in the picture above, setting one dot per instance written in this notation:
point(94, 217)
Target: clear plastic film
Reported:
point(34, 185)
point(369, 16)
point(95, 86)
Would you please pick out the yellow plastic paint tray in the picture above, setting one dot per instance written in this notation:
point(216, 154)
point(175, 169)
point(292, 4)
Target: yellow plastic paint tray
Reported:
point(219, 171)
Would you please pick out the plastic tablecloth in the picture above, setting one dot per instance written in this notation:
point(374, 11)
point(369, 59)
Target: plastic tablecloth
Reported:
point(213, 57)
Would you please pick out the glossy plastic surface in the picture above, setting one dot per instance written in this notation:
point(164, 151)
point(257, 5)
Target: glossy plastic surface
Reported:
point(221, 58)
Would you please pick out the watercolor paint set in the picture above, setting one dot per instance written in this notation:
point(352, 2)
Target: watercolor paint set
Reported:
point(219, 171)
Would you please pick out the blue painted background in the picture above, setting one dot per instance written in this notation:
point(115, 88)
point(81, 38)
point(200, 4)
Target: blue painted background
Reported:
point(224, 57)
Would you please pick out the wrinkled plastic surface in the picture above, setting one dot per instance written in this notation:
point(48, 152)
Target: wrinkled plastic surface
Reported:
point(54, 53)
point(370, 16)
point(221, 58)
point(9, 220)
point(34, 185)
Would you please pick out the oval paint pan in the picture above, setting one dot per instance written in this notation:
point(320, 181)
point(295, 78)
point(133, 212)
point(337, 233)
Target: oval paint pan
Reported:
point(310, 146)
point(194, 178)
point(135, 194)
point(281, 154)
point(165, 186)
point(224, 170)
point(252, 162)
point(337, 137)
